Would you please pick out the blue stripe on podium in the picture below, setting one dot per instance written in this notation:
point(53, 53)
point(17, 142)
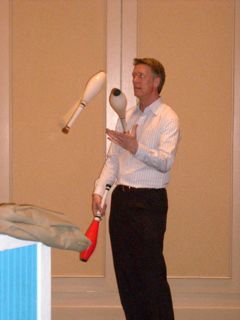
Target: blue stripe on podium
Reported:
point(18, 283)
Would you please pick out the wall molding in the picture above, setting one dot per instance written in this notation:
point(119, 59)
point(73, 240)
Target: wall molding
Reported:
point(97, 297)
point(4, 100)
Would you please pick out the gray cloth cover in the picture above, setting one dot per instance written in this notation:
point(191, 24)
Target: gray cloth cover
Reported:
point(28, 222)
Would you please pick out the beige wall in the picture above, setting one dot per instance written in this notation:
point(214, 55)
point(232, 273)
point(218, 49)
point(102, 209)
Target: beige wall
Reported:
point(195, 41)
point(56, 47)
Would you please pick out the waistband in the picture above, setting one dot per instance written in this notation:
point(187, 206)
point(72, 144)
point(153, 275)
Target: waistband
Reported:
point(126, 188)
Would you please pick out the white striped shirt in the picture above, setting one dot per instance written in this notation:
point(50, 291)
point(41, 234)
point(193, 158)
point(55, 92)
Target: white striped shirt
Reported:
point(158, 135)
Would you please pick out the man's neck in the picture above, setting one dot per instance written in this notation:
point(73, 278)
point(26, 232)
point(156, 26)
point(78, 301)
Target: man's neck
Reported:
point(144, 103)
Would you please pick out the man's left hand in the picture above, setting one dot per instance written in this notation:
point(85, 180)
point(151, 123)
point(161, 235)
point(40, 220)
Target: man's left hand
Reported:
point(126, 140)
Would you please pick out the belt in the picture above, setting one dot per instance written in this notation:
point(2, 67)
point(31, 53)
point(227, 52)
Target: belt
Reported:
point(126, 188)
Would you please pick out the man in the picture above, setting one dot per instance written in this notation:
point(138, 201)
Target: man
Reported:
point(139, 162)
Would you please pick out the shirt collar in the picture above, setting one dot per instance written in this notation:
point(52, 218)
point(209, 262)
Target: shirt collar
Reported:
point(154, 107)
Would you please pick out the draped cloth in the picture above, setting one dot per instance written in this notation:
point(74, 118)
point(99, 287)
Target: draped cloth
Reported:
point(32, 223)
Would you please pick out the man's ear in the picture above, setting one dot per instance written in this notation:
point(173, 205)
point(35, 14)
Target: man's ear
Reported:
point(157, 81)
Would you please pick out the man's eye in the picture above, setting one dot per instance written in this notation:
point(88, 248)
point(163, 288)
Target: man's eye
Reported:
point(138, 75)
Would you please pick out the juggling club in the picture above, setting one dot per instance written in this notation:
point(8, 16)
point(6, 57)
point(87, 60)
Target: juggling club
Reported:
point(118, 102)
point(92, 231)
point(92, 88)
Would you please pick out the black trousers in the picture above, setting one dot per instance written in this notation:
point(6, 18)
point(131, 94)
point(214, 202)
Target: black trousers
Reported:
point(137, 225)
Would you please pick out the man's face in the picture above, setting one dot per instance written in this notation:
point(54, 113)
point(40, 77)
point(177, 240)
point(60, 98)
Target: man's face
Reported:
point(144, 83)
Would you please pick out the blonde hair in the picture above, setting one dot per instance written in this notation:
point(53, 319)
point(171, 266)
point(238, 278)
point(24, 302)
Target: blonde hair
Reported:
point(156, 67)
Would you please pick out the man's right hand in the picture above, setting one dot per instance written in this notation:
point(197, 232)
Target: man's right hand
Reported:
point(96, 205)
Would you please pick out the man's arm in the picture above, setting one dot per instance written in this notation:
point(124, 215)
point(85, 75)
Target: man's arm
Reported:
point(108, 176)
point(161, 157)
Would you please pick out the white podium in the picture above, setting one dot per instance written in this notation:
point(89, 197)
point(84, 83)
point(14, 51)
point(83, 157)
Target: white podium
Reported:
point(25, 280)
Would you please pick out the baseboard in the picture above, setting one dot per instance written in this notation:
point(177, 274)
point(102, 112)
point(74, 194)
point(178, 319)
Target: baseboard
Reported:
point(116, 313)
point(87, 313)
point(207, 313)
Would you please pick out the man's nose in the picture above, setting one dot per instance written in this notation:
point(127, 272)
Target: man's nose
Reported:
point(136, 78)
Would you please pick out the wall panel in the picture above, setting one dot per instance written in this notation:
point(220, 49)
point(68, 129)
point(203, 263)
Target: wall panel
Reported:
point(198, 56)
point(56, 47)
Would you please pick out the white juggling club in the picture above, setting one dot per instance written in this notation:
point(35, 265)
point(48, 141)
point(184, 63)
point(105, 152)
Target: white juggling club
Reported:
point(118, 102)
point(93, 86)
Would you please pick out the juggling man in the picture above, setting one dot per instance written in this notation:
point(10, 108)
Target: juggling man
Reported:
point(139, 162)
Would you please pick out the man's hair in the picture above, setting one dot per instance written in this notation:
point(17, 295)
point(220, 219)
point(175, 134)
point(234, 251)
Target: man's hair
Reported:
point(156, 67)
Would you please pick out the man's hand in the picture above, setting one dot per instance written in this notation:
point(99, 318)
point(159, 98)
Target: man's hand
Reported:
point(126, 140)
point(96, 205)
